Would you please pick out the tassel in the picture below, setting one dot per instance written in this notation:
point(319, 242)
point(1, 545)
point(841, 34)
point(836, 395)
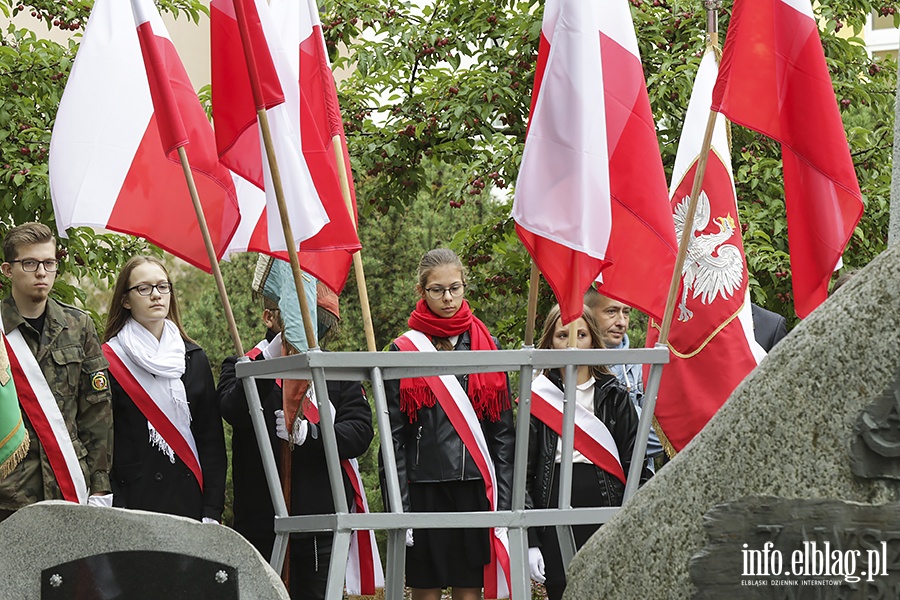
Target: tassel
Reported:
point(10, 464)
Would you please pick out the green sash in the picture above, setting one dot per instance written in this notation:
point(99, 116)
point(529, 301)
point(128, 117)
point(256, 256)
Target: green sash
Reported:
point(13, 437)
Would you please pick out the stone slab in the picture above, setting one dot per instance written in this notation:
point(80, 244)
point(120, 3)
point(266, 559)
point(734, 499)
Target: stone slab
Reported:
point(48, 534)
point(785, 432)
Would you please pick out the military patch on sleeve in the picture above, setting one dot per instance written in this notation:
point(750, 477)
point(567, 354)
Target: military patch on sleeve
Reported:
point(99, 381)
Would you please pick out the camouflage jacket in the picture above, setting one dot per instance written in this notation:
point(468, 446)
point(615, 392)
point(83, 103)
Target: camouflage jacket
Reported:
point(69, 354)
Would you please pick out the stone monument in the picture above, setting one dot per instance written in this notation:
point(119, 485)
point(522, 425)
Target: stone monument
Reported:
point(61, 550)
point(799, 465)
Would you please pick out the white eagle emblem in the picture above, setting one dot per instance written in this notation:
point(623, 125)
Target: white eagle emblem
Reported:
point(711, 267)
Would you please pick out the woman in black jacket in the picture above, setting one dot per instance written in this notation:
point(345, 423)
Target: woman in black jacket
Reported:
point(593, 485)
point(169, 444)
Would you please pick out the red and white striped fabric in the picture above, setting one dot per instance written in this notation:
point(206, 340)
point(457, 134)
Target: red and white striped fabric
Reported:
point(364, 571)
point(39, 404)
point(456, 404)
point(711, 338)
point(774, 80)
point(307, 85)
point(591, 193)
point(151, 396)
point(592, 437)
point(238, 134)
point(127, 107)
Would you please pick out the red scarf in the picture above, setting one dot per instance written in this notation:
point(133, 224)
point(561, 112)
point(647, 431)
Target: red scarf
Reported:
point(488, 392)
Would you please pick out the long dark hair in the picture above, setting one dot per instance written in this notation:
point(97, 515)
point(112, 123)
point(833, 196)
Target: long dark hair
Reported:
point(118, 314)
point(554, 316)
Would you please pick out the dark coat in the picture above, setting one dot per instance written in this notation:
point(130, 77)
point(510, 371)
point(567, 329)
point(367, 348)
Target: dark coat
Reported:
point(429, 449)
point(254, 516)
point(144, 478)
point(768, 327)
point(614, 408)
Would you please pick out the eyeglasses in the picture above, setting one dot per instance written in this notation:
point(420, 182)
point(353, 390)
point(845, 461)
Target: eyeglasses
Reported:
point(30, 265)
point(456, 290)
point(145, 289)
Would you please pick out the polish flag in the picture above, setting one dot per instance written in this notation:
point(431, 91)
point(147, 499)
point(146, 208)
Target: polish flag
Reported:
point(307, 84)
point(711, 340)
point(774, 80)
point(127, 108)
point(238, 134)
point(591, 193)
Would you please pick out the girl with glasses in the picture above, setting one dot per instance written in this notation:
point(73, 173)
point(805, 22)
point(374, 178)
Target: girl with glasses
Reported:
point(430, 419)
point(169, 445)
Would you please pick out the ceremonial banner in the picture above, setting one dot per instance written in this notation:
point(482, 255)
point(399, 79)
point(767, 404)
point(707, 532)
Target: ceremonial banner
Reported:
point(711, 337)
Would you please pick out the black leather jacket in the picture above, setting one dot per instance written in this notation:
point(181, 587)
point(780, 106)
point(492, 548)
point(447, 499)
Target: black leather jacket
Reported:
point(429, 450)
point(613, 407)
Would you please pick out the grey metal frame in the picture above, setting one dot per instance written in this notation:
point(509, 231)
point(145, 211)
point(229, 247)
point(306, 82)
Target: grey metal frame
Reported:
point(380, 366)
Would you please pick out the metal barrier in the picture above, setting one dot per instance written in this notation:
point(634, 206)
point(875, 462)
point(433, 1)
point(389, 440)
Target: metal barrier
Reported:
point(377, 367)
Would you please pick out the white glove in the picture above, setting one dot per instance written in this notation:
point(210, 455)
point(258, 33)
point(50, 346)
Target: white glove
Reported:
point(409, 538)
point(273, 350)
point(301, 427)
point(536, 564)
point(100, 500)
point(500, 533)
point(207, 520)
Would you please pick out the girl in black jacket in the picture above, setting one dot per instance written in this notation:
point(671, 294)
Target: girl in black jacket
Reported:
point(436, 470)
point(601, 394)
point(169, 444)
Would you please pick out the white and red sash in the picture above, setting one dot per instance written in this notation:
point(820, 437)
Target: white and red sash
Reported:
point(151, 396)
point(592, 437)
point(454, 401)
point(39, 404)
point(364, 571)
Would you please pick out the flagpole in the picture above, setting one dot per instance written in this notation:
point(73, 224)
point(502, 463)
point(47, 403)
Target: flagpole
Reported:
point(362, 290)
point(532, 304)
point(266, 131)
point(210, 251)
point(712, 7)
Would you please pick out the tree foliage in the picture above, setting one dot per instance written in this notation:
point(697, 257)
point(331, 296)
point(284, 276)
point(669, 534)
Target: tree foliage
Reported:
point(33, 73)
point(449, 84)
point(435, 98)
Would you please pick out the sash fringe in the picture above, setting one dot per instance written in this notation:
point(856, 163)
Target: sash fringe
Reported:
point(9, 465)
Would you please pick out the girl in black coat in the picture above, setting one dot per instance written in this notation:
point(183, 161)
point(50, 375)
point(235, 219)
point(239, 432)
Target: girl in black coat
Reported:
point(602, 395)
point(169, 444)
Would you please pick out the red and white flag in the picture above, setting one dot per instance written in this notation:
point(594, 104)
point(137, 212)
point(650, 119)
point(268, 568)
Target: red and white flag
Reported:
point(127, 108)
point(291, 49)
point(591, 193)
point(774, 80)
point(711, 339)
point(238, 134)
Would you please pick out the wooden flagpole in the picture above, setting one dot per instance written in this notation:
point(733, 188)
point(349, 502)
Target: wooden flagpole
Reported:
point(532, 304)
point(362, 290)
point(712, 7)
point(266, 131)
point(210, 251)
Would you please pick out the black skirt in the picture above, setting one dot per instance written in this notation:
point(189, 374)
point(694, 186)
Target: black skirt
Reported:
point(585, 493)
point(441, 558)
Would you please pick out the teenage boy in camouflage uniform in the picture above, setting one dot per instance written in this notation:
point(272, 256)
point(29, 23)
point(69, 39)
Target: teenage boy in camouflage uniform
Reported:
point(61, 380)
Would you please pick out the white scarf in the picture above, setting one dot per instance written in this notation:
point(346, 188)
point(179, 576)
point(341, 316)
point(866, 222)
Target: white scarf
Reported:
point(164, 359)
